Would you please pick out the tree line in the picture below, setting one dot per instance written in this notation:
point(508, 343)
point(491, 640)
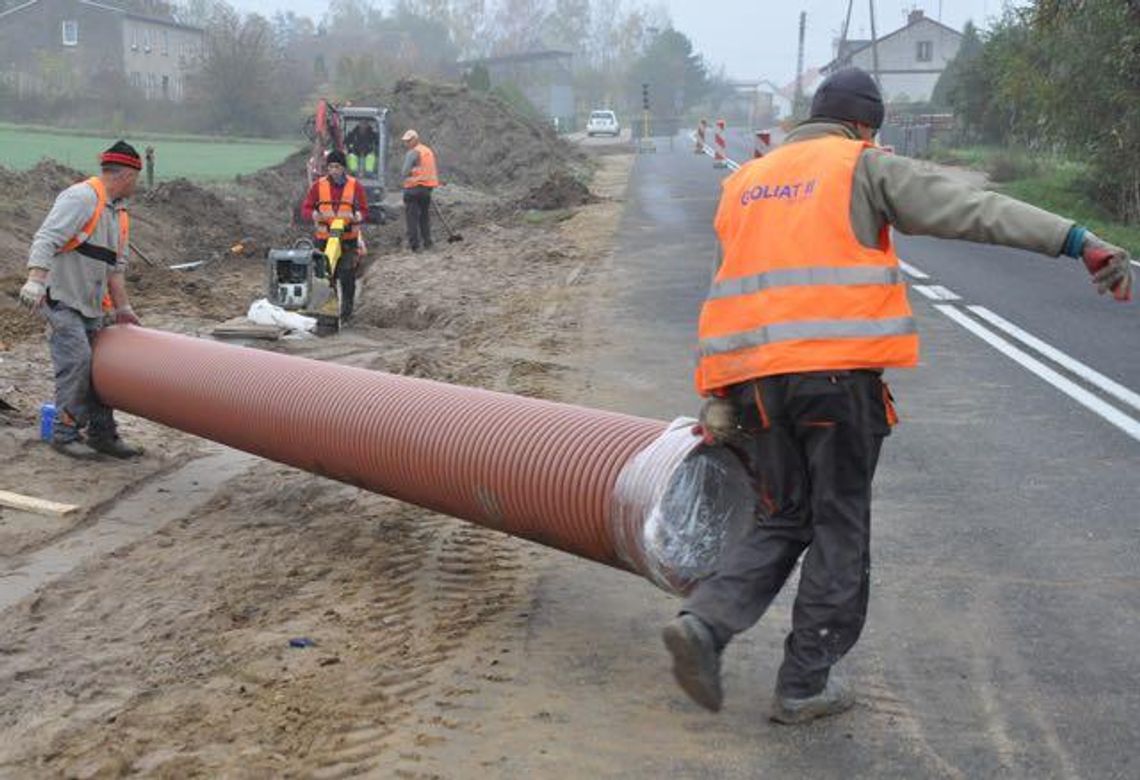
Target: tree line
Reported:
point(256, 73)
point(1059, 76)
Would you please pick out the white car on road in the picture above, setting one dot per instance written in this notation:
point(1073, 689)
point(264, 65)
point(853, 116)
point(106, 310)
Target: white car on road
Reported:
point(603, 123)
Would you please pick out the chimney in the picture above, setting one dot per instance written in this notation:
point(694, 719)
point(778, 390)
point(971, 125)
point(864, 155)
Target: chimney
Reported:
point(915, 16)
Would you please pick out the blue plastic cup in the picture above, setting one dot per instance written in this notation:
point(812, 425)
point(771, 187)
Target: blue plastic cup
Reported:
point(47, 421)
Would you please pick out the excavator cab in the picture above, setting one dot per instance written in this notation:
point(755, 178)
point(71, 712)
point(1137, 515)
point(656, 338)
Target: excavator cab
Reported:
point(366, 149)
point(361, 132)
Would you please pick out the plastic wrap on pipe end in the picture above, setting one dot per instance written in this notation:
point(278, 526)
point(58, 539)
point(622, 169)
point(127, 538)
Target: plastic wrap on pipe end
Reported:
point(673, 505)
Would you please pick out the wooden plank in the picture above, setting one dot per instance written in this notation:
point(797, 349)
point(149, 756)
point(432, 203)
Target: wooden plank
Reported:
point(36, 505)
point(240, 327)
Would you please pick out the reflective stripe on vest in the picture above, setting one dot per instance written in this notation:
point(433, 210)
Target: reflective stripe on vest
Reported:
point(794, 331)
point(330, 210)
point(796, 291)
point(804, 277)
point(79, 242)
point(424, 173)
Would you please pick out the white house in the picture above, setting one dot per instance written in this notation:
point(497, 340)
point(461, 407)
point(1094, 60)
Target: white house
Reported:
point(910, 59)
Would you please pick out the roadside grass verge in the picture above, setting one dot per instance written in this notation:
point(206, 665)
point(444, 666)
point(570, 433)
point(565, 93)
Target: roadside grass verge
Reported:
point(1046, 181)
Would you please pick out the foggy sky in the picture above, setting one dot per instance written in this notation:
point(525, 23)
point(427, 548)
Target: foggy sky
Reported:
point(757, 38)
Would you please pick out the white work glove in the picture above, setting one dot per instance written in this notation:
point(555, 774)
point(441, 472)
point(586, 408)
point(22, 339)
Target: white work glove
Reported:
point(32, 294)
point(1110, 266)
point(719, 422)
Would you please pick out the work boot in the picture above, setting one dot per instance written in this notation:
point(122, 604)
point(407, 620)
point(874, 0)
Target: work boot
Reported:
point(115, 447)
point(75, 448)
point(835, 698)
point(696, 660)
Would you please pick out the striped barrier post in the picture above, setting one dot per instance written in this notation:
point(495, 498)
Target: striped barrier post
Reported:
point(702, 128)
point(721, 146)
point(763, 144)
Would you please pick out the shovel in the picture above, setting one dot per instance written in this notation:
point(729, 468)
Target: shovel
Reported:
point(452, 236)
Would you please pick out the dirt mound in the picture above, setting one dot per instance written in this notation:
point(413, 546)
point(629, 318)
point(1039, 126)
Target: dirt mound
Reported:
point(47, 177)
point(560, 190)
point(199, 223)
point(281, 186)
point(479, 140)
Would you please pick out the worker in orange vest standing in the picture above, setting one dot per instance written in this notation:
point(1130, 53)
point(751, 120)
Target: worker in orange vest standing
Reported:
point(806, 310)
point(338, 195)
point(420, 178)
point(76, 279)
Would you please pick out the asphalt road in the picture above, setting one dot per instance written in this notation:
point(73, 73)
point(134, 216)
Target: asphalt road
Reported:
point(1005, 611)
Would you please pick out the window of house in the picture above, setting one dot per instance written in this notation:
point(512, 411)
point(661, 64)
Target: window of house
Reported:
point(925, 51)
point(165, 43)
point(134, 38)
point(146, 40)
point(70, 29)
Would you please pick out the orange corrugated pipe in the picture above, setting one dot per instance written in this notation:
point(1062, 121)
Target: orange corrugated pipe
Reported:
point(629, 492)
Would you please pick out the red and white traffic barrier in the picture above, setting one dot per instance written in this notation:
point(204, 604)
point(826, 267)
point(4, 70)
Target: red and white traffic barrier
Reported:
point(702, 128)
point(721, 147)
point(763, 144)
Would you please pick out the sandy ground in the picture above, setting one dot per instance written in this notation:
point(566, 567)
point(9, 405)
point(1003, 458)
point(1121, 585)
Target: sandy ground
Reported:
point(150, 632)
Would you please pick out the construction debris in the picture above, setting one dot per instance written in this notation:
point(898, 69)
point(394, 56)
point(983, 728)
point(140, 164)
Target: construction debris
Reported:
point(34, 505)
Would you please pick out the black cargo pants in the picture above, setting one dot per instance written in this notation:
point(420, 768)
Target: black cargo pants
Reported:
point(345, 274)
point(811, 450)
point(417, 217)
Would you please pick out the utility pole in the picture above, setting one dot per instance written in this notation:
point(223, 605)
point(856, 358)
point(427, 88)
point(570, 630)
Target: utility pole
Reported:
point(797, 107)
point(875, 46)
point(841, 54)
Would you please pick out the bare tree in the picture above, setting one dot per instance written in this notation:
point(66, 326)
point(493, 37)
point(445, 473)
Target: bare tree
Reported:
point(568, 26)
point(470, 27)
point(236, 82)
point(517, 23)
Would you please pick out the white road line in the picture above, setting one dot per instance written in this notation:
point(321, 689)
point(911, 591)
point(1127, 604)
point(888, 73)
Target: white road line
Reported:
point(912, 271)
point(946, 293)
point(937, 292)
point(1086, 399)
point(1090, 375)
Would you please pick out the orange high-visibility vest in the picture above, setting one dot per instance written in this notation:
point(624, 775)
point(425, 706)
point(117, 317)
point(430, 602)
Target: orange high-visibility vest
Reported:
point(78, 242)
point(796, 290)
point(328, 210)
point(424, 174)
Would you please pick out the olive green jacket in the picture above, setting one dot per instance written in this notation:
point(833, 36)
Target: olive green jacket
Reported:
point(917, 200)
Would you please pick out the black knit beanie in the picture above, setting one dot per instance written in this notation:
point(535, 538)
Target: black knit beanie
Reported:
point(849, 95)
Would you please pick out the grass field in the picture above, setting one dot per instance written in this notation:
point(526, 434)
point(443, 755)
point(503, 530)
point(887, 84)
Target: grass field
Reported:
point(199, 158)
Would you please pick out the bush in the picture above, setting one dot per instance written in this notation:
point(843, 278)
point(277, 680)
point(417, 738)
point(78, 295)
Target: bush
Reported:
point(1010, 165)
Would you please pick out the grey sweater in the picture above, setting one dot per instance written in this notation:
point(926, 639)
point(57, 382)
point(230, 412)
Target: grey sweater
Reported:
point(411, 160)
point(77, 281)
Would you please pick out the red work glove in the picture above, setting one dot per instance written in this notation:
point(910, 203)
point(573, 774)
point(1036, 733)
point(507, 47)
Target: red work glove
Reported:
point(1110, 266)
point(126, 316)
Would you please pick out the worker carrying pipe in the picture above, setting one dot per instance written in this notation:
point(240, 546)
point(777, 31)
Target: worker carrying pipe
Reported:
point(807, 309)
point(76, 281)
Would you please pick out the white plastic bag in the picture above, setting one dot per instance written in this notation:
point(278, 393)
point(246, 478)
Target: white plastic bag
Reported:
point(263, 312)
